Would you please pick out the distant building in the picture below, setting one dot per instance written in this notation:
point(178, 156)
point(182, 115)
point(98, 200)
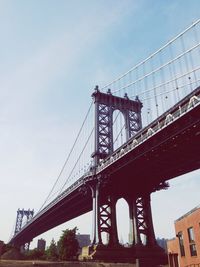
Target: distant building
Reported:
point(184, 250)
point(173, 249)
point(83, 240)
point(41, 244)
point(162, 242)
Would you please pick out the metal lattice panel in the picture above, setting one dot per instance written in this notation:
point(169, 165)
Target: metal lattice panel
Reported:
point(141, 216)
point(134, 123)
point(20, 216)
point(104, 129)
point(144, 220)
point(105, 105)
point(105, 217)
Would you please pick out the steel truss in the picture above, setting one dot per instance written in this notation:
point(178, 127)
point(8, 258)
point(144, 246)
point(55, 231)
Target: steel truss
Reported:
point(104, 197)
point(105, 105)
point(21, 213)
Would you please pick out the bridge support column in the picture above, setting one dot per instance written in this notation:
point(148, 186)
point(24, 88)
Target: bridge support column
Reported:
point(134, 236)
point(146, 249)
point(151, 240)
point(144, 221)
point(108, 220)
point(25, 248)
point(104, 218)
point(141, 224)
point(95, 200)
point(114, 234)
point(106, 245)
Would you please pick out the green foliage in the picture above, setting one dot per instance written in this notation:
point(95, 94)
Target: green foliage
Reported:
point(52, 251)
point(68, 245)
point(35, 254)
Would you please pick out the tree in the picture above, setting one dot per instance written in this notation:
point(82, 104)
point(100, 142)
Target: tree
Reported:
point(68, 245)
point(52, 251)
point(35, 254)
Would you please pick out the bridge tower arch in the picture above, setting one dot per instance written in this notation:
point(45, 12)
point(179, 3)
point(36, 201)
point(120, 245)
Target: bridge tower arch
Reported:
point(105, 105)
point(21, 214)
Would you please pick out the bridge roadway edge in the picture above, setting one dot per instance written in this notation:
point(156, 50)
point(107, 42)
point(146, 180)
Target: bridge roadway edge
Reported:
point(69, 207)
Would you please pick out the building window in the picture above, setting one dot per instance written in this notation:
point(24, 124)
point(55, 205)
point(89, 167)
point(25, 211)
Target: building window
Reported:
point(191, 234)
point(193, 251)
point(181, 244)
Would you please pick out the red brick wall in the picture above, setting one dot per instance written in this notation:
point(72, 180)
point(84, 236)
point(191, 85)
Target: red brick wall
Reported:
point(173, 250)
point(182, 225)
point(172, 246)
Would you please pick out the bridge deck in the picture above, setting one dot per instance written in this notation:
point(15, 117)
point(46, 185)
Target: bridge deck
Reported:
point(165, 149)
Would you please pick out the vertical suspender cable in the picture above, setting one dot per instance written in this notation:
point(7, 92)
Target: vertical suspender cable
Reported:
point(163, 85)
point(186, 60)
point(174, 72)
point(154, 88)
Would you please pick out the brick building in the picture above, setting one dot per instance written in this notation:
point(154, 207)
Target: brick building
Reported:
point(184, 250)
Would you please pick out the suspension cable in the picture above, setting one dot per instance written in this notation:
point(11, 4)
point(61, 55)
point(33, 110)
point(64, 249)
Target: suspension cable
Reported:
point(77, 160)
point(158, 69)
point(68, 157)
point(152, 55)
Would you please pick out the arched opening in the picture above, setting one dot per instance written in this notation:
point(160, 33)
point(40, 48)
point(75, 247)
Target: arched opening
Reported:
point(143, 238)
point(105, 238)
point(119, 131)
point(123, 227)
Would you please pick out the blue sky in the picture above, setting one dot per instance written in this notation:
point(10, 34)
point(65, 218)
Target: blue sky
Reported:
point(53, 53)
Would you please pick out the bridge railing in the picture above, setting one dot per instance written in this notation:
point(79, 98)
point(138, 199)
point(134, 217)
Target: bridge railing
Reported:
point(182, 107)
point(60, 197)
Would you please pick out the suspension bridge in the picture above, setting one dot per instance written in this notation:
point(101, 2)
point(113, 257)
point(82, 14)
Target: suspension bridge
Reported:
point(141, 130)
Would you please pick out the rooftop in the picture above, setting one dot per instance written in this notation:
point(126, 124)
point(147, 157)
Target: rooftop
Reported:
point(188, 213)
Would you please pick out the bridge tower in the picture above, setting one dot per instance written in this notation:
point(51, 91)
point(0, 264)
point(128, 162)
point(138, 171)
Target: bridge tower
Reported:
point(105, 105)
point(21, 213)
point(103, 192)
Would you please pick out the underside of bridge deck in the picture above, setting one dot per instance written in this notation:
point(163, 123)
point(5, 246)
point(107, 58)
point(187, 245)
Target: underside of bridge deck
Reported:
point(170, 152)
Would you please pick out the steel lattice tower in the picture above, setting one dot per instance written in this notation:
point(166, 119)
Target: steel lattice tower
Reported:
point(21, 213)
point(105, 105)
point(104, 194)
